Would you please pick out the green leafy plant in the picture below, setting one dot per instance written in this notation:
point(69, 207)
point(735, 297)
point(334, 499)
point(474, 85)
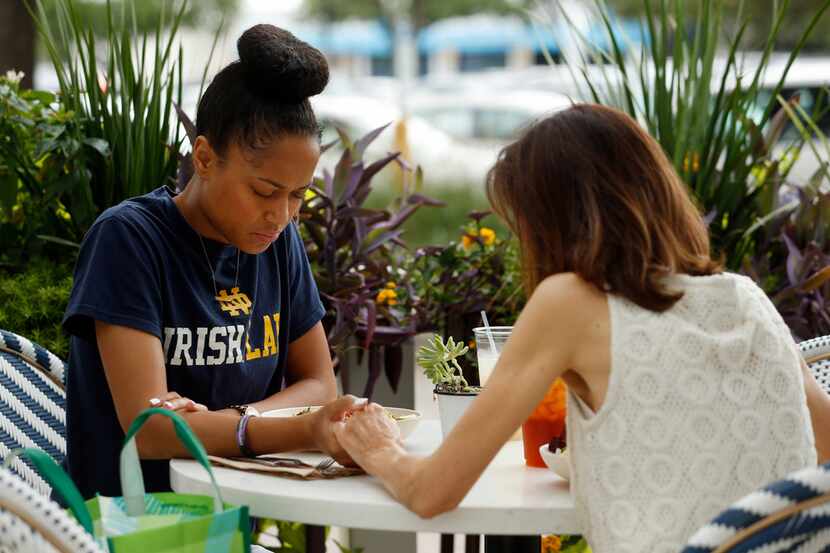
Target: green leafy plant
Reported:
point(455, 282)
point(34, 301)
point(292, 536)
point(354, 253)
point(43, 172)
point(344, 549)
point(792, 258)
point(125, 99)
point(713, 134)
point(439, 360)
point(451, 284)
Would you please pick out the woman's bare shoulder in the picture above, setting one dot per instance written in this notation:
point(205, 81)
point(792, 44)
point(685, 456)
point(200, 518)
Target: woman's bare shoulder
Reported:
point(571, 302)
point(569, 290)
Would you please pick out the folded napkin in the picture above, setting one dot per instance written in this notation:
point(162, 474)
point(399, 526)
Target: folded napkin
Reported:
point(286, 467)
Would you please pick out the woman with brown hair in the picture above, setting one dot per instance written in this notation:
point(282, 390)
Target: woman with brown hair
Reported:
point(686, 390)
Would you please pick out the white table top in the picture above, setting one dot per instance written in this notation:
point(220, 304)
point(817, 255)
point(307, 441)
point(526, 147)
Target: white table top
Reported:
point(509, 498)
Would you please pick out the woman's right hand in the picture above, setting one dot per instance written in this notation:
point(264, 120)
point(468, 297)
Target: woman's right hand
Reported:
point(175, 402)
point(323, 422)
point(368, 432)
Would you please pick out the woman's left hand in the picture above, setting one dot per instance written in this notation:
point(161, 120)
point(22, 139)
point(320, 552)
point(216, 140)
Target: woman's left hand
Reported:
point(368, 434)
point(175, 402)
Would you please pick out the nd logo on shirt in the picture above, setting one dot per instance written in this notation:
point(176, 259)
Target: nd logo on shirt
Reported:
point(220, 345)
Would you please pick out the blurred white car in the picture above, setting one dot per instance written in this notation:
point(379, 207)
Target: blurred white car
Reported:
point(455, 138)
point(491, 117)
point(444, 160)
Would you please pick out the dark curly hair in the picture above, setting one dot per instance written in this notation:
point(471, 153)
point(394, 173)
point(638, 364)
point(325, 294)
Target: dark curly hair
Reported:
point(264, 94)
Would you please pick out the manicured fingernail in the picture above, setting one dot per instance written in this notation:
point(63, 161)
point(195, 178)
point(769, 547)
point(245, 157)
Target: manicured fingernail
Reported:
point(154, 401)
point(362, 400)
point(168, 404)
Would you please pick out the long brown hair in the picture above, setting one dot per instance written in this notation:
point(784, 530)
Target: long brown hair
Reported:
point(586, 190)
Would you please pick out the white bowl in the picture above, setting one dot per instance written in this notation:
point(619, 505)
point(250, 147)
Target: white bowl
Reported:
point(407, 419)
point(559, 463)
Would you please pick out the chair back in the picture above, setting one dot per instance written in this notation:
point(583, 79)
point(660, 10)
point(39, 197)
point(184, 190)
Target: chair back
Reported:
point(791, 515)
point(32, 404)
point(816, 353)
point(32, 523)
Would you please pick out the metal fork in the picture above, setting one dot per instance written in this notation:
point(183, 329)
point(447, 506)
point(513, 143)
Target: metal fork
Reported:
point(275, 461)
point(325, 464)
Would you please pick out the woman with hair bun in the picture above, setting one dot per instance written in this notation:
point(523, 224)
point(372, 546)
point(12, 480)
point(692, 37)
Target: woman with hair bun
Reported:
point(204, 301)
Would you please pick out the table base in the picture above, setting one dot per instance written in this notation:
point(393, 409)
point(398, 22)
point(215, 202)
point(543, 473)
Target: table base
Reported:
point(315, 538)
point(512, 544)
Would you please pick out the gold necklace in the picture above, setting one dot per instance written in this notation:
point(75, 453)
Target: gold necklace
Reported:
point(210, 266)
point(235, 286)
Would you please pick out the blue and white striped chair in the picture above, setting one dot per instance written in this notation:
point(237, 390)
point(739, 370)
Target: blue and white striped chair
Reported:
point(791, 515)
point(816, 353)
point(32, 404)
point(31, 523)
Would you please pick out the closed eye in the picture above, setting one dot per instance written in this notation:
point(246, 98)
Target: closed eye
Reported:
point(260, 194)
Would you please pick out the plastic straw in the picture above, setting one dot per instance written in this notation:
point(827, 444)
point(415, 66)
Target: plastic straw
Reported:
point(487, 330)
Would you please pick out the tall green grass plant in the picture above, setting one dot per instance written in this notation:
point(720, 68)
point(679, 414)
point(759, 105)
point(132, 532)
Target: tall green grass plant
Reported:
point(703, 98)
point(123, 86)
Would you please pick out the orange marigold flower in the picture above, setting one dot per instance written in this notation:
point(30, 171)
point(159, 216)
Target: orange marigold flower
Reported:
point(551, 544)
point(391, 285)
point(488, 236)
point(467, 240)
point(387, 296)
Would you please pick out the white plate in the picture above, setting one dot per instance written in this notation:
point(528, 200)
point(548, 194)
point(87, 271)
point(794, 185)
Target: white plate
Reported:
point(559, 463)
point(407, 419)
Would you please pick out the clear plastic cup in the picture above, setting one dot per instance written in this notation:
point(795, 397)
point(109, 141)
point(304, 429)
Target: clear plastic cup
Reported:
point(547, 420)
point(487, 358)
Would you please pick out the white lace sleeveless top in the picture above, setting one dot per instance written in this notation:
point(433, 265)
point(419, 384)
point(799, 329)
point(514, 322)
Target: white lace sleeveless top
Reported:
point(705, 403)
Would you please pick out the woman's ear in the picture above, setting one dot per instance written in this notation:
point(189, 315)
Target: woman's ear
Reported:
point(204, 157)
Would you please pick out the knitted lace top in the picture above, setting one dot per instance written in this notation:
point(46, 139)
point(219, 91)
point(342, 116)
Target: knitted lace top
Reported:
point(705, 403)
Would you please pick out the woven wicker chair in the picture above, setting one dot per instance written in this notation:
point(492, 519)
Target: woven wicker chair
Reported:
point(31, 523)
point(791, 515)
point(817, 354)
point(32, 404)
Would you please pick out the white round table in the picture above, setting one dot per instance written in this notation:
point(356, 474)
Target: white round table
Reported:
point(508, 499)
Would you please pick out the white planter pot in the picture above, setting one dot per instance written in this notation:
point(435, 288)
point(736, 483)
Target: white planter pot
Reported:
point(451, 407)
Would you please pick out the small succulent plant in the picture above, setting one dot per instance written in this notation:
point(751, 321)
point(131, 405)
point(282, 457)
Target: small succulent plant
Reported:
point(439, 361)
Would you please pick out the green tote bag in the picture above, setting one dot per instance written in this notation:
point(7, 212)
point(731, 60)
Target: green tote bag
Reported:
point(140, 522)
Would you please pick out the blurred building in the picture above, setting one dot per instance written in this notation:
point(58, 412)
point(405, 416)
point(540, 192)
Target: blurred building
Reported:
point(358, 48)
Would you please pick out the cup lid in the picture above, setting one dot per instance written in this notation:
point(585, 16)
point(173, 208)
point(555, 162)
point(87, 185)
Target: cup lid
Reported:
point(500, 331)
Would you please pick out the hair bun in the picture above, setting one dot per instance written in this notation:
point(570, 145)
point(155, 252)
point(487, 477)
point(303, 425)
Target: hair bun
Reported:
point(279, 64)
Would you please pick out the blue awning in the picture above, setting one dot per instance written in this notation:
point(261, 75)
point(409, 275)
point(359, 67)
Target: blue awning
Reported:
point(354, 37)
point(310, 33)
point(366, 38)
point(473, 35)
point(486, 34)
point(626, 32)
point(481, 34)
point(542, 38)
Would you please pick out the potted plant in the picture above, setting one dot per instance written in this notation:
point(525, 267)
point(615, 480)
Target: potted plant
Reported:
point(453, 283)
point(440, 363)
point(354, 251)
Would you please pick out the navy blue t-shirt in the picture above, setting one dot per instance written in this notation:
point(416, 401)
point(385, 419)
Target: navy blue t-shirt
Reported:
point(142, 266)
